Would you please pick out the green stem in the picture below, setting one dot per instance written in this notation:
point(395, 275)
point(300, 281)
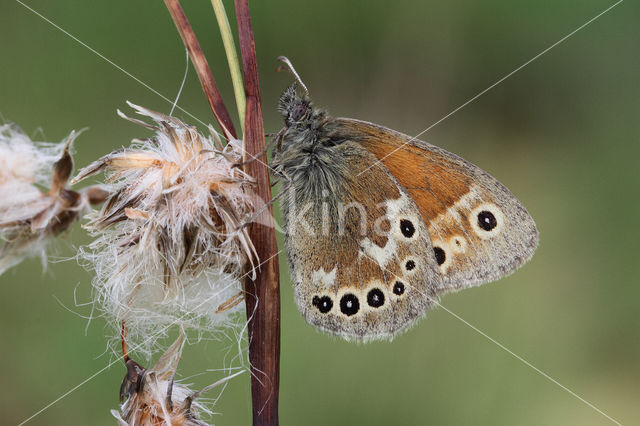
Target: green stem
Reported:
point(232, 58)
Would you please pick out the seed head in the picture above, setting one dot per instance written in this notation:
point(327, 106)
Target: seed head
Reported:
point(171, 246)
point(153, 398)
point(35, 202)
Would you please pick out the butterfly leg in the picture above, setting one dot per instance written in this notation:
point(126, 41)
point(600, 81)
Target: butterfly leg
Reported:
point(268, 146)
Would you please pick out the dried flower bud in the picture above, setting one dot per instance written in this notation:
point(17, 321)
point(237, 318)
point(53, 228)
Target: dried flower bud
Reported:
point(152, 398)
point(171, 247)
point(30, 217)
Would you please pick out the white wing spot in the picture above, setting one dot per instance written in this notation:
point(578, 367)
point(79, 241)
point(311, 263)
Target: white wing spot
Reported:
point(395, 207)
point(382, 255)
point(398, 210)
point(323, 279)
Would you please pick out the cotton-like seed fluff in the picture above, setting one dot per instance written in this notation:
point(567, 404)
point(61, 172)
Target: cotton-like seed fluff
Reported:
point(36, 203)
point(171, 247)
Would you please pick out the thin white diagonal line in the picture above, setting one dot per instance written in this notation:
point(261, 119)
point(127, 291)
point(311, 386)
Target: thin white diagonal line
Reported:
point(88, 379)
point(97, 373)
point(527, 363)
point(496, 83)
point(501, 346)
point(100, 55)
point(427, 129)
point(127, 73)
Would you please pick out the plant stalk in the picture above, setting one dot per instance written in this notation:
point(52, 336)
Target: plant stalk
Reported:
point(202, 68)
point(232, 58)
point(262, 294)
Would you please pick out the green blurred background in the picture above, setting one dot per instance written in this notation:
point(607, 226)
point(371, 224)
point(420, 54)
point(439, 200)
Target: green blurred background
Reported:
point(562, 134)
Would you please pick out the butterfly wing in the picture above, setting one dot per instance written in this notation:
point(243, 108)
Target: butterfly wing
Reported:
point(478, 230)
point(360, 256)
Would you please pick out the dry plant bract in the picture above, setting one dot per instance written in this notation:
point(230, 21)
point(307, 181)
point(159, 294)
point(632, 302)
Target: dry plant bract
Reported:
point(36, 203)
point(171, 246)
point(153, 398)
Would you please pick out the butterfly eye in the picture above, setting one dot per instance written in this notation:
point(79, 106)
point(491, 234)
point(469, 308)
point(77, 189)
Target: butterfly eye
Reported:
point(298, 112)
point(407, 228)
point(324, 303)
point(349, 304)
point(440, 255)
point(375, 298)
point(398, 288)
point(487, 220)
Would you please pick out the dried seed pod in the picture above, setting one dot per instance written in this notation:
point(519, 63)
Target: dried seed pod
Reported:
point(29, 216)
point(171, 246)
point(153, 398)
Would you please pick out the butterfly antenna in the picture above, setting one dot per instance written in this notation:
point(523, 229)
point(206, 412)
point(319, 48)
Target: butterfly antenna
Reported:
point(293, 72)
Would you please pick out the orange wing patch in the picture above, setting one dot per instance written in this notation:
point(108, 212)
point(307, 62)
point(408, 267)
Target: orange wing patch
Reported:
point(434, 181)
point(478, 230)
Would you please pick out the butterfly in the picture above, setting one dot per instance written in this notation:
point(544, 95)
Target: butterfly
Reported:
point(379, 224)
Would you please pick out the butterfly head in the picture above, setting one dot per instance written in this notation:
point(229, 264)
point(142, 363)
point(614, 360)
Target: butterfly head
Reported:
point(295, 110)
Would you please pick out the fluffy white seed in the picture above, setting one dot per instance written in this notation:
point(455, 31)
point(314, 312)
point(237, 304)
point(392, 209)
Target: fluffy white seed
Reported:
point(170, 247)
point(35, 203)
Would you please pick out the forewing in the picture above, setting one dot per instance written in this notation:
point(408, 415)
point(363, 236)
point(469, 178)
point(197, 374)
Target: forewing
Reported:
point(478, 229)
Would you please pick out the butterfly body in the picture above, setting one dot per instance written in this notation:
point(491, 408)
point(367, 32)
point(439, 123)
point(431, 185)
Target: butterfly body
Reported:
point(378, 224)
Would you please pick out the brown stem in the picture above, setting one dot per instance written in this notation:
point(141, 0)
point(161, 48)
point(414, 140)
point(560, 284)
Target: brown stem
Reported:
point(123, 339)
point(202, 68)
point(263, 293)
